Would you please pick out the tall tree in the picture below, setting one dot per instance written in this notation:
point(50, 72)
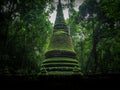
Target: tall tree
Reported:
point(98, 22)
point(24, 31)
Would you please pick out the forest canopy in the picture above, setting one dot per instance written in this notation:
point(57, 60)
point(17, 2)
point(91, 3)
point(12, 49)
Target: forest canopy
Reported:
point(25, 31)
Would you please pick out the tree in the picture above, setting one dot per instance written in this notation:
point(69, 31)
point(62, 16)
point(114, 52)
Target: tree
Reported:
point(98, 22)
point(25, 30)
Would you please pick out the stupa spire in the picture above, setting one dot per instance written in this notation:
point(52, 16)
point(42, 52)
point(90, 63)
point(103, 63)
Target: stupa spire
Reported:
point(60, 21)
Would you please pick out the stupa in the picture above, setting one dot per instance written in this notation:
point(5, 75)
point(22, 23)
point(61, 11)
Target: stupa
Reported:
point(60, 55)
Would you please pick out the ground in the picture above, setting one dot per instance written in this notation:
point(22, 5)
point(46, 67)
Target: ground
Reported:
point(91, 81)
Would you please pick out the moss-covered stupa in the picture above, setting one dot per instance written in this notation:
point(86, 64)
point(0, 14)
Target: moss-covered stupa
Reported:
point(60, 54)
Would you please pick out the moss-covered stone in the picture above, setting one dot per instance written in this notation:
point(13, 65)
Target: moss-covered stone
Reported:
point(60, 42)
point(60, 59)
point(60, 65)
point(60, 54)
point(60, 73)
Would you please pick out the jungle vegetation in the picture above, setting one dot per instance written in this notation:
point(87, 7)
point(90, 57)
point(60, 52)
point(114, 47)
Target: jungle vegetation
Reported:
point(25, 30)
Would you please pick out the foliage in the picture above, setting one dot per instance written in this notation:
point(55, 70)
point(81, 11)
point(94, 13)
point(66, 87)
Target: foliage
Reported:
point(96, 33)
point(25, 30)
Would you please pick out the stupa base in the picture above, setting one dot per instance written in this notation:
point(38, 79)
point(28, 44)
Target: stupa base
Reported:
point(60, 66)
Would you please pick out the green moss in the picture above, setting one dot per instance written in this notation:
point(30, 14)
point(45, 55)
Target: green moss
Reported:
point(60, 73)
point(60, 59)
point(60, 53)
point(63, 71)
point(65, 68)
point(61, 41)
point(60, 32)
point(60, 64)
